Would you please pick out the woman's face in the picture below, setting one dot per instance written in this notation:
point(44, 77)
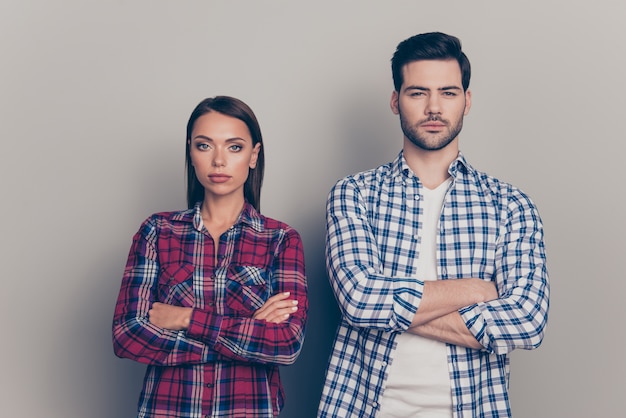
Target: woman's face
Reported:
point(222, 153)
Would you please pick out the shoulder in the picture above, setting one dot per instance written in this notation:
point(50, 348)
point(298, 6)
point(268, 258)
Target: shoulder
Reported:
point(490, 188)
point(364, 181)
point(280, 234)
point(271, 224)
point(264, 225)
point(165, 220)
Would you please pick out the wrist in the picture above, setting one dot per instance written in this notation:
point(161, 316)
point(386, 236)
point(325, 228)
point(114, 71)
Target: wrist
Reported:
point(186, 320)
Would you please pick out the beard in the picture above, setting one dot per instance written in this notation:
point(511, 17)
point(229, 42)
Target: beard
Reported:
point(431, 141)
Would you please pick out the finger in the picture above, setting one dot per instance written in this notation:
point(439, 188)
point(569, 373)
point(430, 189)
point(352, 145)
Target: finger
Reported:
point(281, 315)
point(271, 309)
point(270, 302)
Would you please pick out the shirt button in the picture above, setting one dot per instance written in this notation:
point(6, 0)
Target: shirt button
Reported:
point(417, 197)
point(209, 385)
point(375, 404)
point(384, 364)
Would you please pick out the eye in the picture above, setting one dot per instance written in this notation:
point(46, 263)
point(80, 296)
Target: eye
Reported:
point(235, 147)
point(202, 146)
point(416, 94)
point(449, 93)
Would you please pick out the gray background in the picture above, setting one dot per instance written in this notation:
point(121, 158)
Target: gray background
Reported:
point(94, 100)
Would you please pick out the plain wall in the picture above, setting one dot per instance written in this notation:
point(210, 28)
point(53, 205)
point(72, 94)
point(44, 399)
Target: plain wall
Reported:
point(94, 100)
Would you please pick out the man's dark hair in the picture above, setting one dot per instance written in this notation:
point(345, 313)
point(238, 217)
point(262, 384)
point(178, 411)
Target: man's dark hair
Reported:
point(429, 46)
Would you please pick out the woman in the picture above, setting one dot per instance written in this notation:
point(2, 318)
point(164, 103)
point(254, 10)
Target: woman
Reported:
point(213, 298)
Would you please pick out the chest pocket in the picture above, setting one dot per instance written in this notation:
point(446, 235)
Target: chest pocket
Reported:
point(175, 286)
point(247, 289)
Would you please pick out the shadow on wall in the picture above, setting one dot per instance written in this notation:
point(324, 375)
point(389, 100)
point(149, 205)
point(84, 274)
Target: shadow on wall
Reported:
point(369, 137)
point(103, 385)
point(304, 380)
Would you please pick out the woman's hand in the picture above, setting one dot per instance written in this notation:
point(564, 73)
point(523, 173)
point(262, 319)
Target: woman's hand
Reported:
point(170, 317)
point(277, 308)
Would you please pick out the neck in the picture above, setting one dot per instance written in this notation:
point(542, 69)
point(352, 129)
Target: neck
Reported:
point(221, 211)
point(431, 167)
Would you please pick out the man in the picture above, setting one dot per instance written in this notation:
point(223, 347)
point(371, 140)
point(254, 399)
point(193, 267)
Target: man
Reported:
point(438, 269)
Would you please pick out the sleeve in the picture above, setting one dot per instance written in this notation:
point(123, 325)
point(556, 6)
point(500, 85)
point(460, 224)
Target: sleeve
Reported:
point(518, 318)
point(366, 296)
point(134, 337)
point(258, 341)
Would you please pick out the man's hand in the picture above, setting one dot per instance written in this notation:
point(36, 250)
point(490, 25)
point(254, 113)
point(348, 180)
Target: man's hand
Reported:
point(169, 317)
point(277, 308)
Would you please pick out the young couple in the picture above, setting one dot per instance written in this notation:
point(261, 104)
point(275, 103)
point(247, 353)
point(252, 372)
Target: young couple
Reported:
point(438, 270)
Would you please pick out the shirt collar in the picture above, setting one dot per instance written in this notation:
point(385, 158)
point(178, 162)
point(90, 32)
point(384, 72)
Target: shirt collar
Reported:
point(399, 166)
point(248, 216)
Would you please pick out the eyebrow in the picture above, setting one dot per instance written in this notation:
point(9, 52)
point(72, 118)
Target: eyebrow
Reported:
point(206, 138)
point(445, 88)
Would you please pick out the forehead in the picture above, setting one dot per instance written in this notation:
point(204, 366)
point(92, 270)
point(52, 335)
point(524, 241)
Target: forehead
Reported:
point(217, 125)
point(432, 74)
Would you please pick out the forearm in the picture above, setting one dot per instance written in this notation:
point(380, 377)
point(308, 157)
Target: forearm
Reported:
point(137, 339)
point(449, 328)
point(259, 341)
point(444, 297)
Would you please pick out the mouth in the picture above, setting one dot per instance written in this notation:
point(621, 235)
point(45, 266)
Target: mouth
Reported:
point(219, 178)
point(433, 126)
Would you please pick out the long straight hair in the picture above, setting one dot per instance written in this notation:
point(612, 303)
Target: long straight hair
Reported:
point(235, 108)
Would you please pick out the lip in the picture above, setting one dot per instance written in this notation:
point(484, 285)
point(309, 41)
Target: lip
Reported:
point(219, 178)
point(433, 125)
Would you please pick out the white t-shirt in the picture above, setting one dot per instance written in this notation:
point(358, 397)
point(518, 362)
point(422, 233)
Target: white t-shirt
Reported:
point(419, 381)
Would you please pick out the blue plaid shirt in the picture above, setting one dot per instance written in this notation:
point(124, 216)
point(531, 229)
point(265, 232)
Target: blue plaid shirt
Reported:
point(487, 229)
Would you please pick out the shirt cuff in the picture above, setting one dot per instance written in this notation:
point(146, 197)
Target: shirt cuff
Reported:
point(476, 323)
point(407, 299)
point(204, 326)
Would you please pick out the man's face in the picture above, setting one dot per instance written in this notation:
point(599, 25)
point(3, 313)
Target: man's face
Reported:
point(431, 103)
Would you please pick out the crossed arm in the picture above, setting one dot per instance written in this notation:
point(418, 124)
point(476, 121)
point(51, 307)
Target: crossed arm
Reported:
point(277, 309)
point(438, 318)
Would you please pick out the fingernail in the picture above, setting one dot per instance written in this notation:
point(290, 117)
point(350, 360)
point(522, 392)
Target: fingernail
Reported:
point(295, 302)
point(287, 293)
point(295, 308)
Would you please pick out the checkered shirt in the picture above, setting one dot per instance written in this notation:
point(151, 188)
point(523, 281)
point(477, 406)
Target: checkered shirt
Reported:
point(487, 229)
point(226, 363)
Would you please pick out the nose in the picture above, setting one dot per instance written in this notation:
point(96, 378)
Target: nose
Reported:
point(218, 158)
point(433, 105)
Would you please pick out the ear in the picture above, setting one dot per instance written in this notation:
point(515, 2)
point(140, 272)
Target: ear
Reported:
point(394, 103)
point(468, 102)
point(255, 155)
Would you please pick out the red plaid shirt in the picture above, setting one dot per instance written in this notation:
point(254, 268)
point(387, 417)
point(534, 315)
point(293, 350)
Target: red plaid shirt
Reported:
point(225, 363)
